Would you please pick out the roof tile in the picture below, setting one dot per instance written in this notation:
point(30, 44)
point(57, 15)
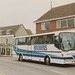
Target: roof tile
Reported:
point(61, 11)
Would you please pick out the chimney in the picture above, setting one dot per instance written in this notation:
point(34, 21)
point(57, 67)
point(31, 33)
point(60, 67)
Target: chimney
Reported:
point(51, 4)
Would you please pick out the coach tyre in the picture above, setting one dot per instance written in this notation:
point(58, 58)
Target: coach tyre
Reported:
point(20, 57)
point(47, 60)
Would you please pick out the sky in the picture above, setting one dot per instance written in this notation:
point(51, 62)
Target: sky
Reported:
point(14, 12)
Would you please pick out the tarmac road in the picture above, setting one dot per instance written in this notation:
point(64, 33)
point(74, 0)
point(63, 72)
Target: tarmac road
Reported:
point(10, 66)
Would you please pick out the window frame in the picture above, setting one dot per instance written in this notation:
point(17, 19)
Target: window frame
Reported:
point(63, 26)
point(43, 26)
point(59, 26)
point(8, 32)
point(1, 32)
point(70, 19)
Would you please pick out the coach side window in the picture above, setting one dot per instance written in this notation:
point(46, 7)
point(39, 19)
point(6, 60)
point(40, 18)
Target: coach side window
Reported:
point(45, 38)
point(24, 41)
point(36, 40)
point(20, 41)
point(40, 40)
point(48, 39)
point(17, 41)
point(14, 41)
point(28, 40)
point(32, 40)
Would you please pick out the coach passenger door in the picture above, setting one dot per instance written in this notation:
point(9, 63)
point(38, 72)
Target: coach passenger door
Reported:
point(29, 48)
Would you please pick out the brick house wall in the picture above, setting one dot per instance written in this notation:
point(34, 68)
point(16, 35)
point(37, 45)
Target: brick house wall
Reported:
point(53, 27)
point(54, 15)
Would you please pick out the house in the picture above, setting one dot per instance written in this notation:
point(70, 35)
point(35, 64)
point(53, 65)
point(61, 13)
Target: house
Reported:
point(7, 34)
point(29, 32)
point(57, 19)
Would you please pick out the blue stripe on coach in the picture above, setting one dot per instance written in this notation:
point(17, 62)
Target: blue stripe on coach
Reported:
point(39, 54)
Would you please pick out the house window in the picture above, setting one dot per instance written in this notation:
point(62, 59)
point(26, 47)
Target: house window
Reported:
point(7, 51)
point(8, 31)
point(3, 51)
point(59, 24)
point(1, 31)
point(71, 22)
point(63, 23)
point(45, 26)
point(66, 23)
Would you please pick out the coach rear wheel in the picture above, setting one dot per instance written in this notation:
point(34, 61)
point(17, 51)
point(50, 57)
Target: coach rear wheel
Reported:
point(20, 57)
point(47, 60)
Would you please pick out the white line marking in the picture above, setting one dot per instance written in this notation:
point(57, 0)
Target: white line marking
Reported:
point(46, 69)
point(2, 73)
point(32, 66)
point(58, 72)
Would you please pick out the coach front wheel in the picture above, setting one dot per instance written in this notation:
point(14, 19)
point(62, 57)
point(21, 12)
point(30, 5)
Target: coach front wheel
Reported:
point(47, 60)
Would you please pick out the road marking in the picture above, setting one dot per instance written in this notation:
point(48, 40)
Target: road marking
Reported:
point(32, 66)
point(2, 73)
point(58, 72)
point(46, 69)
